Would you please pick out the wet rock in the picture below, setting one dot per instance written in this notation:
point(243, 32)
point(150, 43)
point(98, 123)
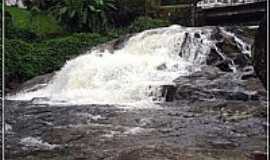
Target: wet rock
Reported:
point(223, 144)
point(197, 35)
point(162, 67)
point(114, 44)
point(225, 65)
point(229, 47)
point(189, 92)
point(259, 155)
point(35, 83)
point(217, 35)
point(237, 96)
point(213, 58)
point(169, 92)
point(163, 92)
point(242, 60)
point(259, 53)
point(248, 72)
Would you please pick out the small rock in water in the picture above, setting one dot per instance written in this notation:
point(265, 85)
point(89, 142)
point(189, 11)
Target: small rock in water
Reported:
point(242, 60)
point(223, 144)
point(213, 57)
point(259, 155)
point(225, 66)
point(168, 91)
point(163, 92)
point(197, 35)
point(162, 67)
point(238, 96)
point(37, 100)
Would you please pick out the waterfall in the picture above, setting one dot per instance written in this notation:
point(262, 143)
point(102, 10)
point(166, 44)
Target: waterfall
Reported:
point(151, 58)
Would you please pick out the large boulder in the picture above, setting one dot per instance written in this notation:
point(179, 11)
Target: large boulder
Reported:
point(260, 52)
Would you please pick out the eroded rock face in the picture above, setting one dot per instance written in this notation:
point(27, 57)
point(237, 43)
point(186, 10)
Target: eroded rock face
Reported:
point(260, 52)
point(232, 49)
point(213, 84)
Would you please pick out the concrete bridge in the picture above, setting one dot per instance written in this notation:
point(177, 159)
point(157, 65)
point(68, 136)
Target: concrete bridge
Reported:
point(208, 12)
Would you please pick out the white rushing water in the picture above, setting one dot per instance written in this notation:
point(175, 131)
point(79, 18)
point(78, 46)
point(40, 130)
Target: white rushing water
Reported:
point(148, 58)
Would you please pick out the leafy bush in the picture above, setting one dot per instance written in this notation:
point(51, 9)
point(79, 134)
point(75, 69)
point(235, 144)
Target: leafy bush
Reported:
point(83, 15)
point(24, 60)
point(17, 59)
point(144, 23)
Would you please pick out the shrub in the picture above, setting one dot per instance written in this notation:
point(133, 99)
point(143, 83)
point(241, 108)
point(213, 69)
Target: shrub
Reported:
point(24, 60)
point(17, 60)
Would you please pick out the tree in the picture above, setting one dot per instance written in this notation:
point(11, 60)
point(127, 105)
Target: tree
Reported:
point(83, 15)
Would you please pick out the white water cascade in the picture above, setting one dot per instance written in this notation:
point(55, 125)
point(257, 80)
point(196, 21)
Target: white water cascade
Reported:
point(148, 58)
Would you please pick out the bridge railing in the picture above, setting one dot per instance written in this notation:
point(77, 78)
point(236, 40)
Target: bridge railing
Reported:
point(223, 3)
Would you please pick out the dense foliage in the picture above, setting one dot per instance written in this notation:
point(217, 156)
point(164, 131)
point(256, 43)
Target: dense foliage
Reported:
point(25, 60)
point(84, 15)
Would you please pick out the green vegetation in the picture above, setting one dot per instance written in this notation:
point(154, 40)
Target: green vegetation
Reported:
point(37, 22)
point(20, 17)
point(84, 15)
point(25, 60)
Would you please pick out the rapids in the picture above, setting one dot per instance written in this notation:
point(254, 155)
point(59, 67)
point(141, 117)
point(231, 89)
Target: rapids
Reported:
point(153, 57)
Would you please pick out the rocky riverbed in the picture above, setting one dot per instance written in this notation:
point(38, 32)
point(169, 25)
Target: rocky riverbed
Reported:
point(193, 127)
point(215, 112)
point(183, 130)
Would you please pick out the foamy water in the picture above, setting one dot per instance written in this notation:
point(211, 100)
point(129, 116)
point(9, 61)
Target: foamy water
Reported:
point(148, 58)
